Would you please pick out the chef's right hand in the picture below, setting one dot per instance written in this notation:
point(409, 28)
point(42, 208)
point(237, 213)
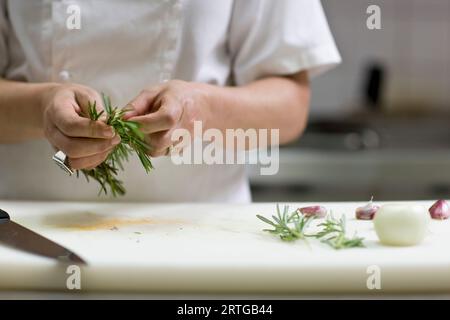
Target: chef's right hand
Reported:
point(86, 143)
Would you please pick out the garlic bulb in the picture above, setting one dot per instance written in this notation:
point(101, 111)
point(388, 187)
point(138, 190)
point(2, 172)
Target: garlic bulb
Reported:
point(401, 224)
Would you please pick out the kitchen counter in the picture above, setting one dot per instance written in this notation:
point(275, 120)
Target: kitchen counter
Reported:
point(356, 175)
point(354, 158)
point(199, 250)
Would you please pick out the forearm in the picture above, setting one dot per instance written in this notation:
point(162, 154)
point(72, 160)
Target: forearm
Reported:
point(273, 103)
point(21, 110)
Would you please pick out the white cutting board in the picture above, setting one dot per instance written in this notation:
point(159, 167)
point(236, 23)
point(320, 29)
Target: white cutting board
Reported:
point(212, 248)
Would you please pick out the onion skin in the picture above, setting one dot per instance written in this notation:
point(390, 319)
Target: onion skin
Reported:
point(440, 210)
point(367, 212)
point(313, 211)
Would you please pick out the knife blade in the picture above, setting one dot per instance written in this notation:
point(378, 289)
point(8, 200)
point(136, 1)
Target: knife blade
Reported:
point(16, 236)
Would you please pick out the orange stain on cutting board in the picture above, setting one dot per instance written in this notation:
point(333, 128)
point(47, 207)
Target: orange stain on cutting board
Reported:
point(88, 221)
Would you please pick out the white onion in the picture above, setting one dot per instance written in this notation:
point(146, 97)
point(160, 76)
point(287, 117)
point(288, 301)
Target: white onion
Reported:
point(401, 224)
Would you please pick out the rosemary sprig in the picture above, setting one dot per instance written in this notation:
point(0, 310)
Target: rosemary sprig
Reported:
point(333, 233)
point(293, 226)
point(132, 141)
point(289, 226)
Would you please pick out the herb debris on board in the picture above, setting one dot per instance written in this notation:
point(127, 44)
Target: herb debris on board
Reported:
point(289, 226)
point(333, 233)
point(132, 141)
point(293, 226)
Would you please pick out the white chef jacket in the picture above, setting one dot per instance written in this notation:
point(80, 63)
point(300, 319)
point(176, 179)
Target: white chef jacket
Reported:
point(125, 46)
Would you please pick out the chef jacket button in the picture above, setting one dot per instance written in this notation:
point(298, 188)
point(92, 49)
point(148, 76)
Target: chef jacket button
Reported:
point(177, 5)
point(64, 75)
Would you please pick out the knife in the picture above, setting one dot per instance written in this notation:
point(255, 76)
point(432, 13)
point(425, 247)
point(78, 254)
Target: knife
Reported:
point(16, 236)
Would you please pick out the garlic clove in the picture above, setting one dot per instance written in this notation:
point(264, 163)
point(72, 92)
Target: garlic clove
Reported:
point(440, 210)
point(367, 212)
point(313, 211)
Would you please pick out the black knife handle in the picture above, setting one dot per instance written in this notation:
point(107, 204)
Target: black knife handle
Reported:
point(3, 215)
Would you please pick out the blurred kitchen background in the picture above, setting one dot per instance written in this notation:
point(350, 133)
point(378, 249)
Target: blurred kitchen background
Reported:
point(380, 122)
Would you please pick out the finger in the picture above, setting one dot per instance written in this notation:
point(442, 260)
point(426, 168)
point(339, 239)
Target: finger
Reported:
point(142, 103)
point(160, 143)
point(72, 124)
point(174, 148)
point(160, 140)
point(90, 162)
point(161, 153)
point(165, 118)
point(80, 147)
point(89, 97)
point(86, 97)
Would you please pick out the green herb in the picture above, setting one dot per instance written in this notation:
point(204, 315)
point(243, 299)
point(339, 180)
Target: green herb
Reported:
point(132, 141)
point(289, 226)
point(333, 233)
point(293, 226)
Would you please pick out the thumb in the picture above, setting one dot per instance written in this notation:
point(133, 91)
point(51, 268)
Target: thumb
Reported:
point(141, 104)
point(85, 99)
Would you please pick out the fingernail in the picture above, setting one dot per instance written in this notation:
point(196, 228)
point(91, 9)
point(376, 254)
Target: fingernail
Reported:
point(129, 115)
point(116, 140)
point(109, 133)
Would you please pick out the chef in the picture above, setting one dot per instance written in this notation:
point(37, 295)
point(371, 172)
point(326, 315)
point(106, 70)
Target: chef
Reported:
point(226, 63)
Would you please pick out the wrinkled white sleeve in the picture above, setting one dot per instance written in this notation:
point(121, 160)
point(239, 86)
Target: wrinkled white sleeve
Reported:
point(3, 37)
point(279, 37)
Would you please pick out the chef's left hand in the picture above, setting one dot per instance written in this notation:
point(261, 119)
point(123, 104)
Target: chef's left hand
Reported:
point(162, 109)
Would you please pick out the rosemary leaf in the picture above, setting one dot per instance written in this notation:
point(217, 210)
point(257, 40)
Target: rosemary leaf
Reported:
point(288, 226)
point(333, 233)
point(132, 142)
point(293, 226)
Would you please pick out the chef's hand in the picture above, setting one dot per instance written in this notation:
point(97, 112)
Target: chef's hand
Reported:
point(86, 143)
point(162, 109)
